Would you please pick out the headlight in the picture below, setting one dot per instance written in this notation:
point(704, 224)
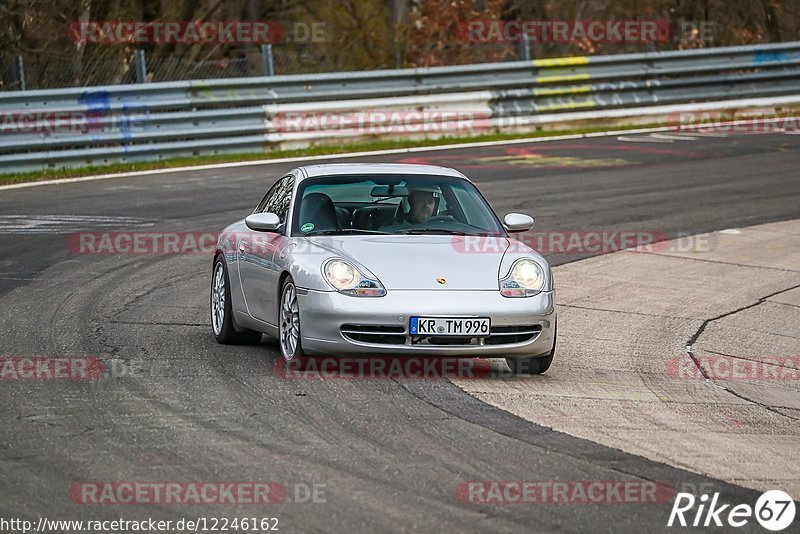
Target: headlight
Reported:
point(525, 279)
point(346, 279)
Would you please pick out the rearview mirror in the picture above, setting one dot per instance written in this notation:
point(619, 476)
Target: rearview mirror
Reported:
point(263, 222)
point(389, 191)
point(517, 222)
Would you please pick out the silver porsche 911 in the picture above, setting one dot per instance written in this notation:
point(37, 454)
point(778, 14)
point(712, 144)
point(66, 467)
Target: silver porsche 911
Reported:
point(377, 259)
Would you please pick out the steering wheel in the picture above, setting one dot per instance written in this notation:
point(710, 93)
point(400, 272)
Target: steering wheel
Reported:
point(440, 218)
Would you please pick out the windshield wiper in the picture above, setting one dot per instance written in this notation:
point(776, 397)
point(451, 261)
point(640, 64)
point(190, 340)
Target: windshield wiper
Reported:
point(431, 231)
point(346, 231)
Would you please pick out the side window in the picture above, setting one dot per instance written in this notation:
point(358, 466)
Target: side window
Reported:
point(278, 198)
point(283, 198)
point(262, 206)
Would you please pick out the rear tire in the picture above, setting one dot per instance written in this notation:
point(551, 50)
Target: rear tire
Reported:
point(534, 365)
point(223, 325)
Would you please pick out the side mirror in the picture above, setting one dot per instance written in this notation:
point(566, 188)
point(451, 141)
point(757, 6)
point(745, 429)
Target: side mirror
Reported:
point(517, 222)
point(263, 222)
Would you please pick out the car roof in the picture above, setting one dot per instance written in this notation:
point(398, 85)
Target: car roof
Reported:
point(328, 169)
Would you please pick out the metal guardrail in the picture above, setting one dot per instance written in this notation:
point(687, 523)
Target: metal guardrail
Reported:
point(99, 125)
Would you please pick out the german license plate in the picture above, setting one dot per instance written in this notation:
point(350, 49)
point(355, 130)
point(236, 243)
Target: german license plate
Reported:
point(450, 326)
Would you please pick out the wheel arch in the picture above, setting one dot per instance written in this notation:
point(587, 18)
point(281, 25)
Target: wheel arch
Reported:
point(281, 280)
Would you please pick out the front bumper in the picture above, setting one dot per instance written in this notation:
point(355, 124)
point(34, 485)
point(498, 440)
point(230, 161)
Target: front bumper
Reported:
point(323, 314)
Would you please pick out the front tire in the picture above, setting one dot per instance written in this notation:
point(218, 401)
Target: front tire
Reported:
point(223, 325)
point(534, 365)
point(289, 323)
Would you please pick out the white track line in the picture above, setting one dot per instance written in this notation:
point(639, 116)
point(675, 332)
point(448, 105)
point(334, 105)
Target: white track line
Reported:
point(701, 133)
point(673, 137)
point(648, 139)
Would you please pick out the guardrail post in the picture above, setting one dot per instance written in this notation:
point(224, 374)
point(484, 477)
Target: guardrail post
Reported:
point(141, 66)
point(266, 60)
point(525, 47)
point(20, 73)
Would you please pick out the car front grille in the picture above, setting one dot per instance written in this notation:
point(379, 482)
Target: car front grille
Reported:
point(504, 335)
point(397, 335)
point(378, 334)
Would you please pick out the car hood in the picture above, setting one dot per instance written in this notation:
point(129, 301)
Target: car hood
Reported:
point(417, 262)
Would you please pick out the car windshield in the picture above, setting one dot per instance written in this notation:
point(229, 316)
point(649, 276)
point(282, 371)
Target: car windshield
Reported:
point(392, 204)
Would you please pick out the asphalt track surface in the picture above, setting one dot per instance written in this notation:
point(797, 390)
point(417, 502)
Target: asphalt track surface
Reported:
point(390, 453)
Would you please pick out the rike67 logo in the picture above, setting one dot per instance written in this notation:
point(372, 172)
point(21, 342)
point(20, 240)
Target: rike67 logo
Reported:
point(774, 510)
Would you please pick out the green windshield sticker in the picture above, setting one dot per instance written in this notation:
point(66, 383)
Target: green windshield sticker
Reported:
point(307, 227)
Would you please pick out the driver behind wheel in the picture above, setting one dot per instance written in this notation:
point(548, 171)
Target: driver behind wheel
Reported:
point(422, 201)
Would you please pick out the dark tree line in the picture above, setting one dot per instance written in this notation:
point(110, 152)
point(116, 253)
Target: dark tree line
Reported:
point(359, 34)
